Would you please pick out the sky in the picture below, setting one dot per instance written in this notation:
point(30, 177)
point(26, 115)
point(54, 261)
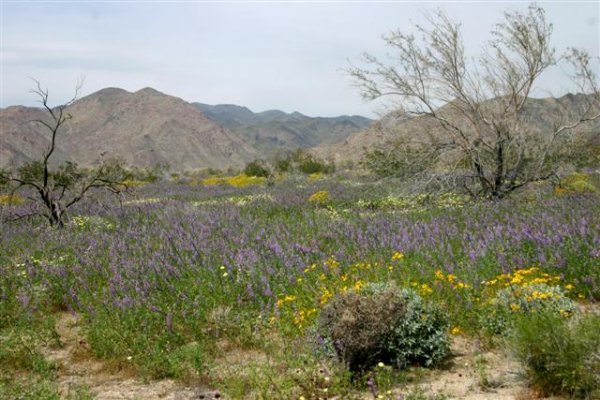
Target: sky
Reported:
point(260, 54)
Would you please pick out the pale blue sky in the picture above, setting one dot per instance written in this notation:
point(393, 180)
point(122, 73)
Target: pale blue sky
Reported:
point(262, 55)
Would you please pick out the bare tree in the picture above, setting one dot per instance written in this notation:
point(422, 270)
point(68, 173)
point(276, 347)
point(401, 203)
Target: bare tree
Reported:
point(56, 189)
point(479, 105)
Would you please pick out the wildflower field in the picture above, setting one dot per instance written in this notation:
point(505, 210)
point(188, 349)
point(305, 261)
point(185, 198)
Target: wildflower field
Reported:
point(223, 284)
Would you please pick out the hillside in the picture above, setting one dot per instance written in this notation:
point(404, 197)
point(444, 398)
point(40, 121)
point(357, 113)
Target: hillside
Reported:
point(274, 130)
point(20, 138)
point(143, 129)
point(540, 115)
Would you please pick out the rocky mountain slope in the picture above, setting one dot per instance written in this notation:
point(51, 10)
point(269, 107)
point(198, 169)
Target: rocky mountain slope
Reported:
point(540, 115)
point(274, 130)
point(143, 129)
point(20, 138)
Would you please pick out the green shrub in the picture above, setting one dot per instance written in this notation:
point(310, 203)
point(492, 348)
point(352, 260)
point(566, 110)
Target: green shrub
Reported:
point(257, 168)
point(383, 323)
point(574, 184)
point(560, 356)
point(309, 164)
point(395, 159)
point(499, 314)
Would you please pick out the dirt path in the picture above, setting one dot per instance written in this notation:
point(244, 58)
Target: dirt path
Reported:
point(78, 372)
point(475, 374)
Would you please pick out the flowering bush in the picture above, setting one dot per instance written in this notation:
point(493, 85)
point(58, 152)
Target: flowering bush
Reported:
point(321, 197)
point(11, 200)
point(575, 183)
point(235, 181)
point(524, 299)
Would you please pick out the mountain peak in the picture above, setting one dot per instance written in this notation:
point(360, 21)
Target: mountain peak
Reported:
point(149, 91)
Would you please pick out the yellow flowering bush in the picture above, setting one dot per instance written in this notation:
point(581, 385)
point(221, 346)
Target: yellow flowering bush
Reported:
point(522, 277)
point(238, 181)
point(11, 200)
point(575, 183)
point(315, 176)
point(244, 180)
point(525, 299)
point(321, 197)
point(450, 280)
point(320, 282)
point(420, 202)
point(131, 183)
point(523, 291)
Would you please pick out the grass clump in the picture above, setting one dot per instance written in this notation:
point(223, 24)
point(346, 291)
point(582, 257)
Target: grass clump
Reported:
point(560, 356)
point(383, 323)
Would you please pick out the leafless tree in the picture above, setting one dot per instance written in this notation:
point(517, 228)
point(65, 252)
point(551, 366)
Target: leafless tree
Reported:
point(479, 105)
point(56, 189)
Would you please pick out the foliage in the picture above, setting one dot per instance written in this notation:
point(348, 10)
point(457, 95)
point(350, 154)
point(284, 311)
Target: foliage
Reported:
point(237, 181)
point(258, 168)
point(282, 163)
point(575, 183)
point(478, 107)
point(58, 189)
point(11, 199)
point(561, 356)
point(302, 161)
point(320, 198)
point(415, 203)
point(383, 323)
point(397, 160)
point(523, 291)
point(310, 164)
point(24, 371)
point(512, 301)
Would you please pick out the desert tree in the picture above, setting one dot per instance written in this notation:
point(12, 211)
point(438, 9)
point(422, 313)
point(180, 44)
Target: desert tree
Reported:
point(478, 105)
point(56, 188)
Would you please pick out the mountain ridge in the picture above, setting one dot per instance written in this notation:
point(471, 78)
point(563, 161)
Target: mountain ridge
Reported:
point(141, 128)
point(540, 114)
point(276, 130)
point(147, 127)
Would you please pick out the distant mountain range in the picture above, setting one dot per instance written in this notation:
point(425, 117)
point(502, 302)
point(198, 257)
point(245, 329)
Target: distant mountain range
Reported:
point(539, 115)
point(274, 130)
point(147, 127)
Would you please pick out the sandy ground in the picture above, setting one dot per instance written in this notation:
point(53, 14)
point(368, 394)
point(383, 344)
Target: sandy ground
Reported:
point(76, 371)
point(471, 373)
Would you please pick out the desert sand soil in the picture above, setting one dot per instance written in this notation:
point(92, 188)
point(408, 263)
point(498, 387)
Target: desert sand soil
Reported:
point(471, 374)
point(78, 371)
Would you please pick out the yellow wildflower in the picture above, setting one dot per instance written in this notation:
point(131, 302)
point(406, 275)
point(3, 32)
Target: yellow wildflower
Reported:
point(320, 197)
point(332, 263)
point(425, 289)
point(564, 313)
